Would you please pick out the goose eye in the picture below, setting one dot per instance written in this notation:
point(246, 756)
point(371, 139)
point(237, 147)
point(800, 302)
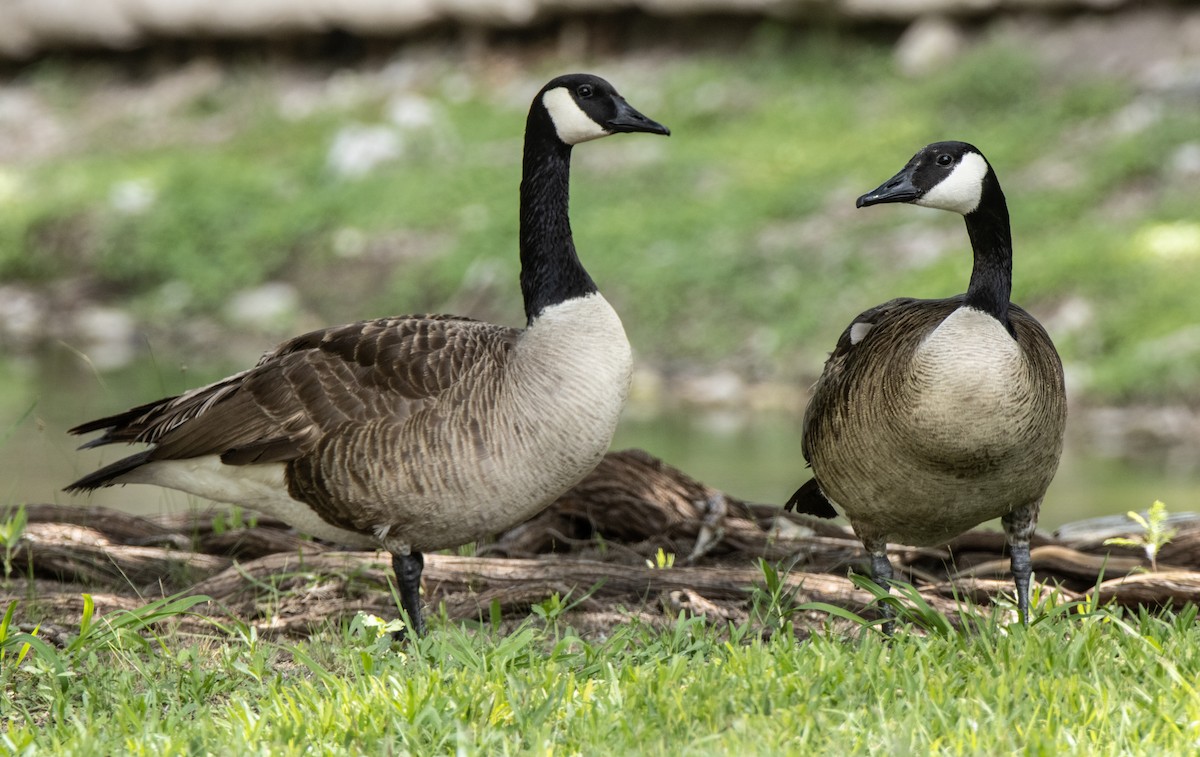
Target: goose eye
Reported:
point(944, 159)
point(584, 91)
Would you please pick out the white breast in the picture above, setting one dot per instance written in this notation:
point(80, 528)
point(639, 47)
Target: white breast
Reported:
point(577, 352)
point(551, 420)
point(968, 373)
point(573, 368)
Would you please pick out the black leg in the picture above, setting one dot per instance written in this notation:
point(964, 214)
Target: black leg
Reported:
point(408, 575)
point(1022, 569)
point(881, 572)
point(1019, 526)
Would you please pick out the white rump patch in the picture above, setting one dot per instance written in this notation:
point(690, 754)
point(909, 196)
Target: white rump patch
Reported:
point(571, 123)
point(962, 189)
point(259, 487)
point(859, 331)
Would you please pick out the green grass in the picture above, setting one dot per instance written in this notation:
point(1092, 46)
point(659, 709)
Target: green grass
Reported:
point(734, 242)
point(1083, 680)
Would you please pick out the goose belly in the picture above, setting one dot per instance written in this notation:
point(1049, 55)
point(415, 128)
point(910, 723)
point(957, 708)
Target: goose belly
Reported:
point(931, 509)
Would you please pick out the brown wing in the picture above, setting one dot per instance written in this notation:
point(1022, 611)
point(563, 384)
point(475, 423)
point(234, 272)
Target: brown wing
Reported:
point(1044, 361)
point(278, 409)
point(894, 323)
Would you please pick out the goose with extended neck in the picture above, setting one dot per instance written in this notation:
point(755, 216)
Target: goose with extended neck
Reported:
point(418, 433)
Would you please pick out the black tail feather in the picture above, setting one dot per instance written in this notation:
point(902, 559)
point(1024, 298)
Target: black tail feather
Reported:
point(810, 500)
point(105, 476)
point(116, 428)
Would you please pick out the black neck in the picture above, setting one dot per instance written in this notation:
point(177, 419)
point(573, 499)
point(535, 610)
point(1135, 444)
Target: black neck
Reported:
point(991, 241)
point(550, 269)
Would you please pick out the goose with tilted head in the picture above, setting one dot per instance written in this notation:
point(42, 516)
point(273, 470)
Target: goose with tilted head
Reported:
point(425, 432)
point(933, 416)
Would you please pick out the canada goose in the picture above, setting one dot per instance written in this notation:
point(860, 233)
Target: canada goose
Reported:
point(424, 432)
point(932, 416)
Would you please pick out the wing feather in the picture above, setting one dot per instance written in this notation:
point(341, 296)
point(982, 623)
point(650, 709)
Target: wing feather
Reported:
point(310, 385)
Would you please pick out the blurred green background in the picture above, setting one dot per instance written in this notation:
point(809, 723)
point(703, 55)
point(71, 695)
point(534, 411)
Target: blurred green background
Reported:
point(166, 218)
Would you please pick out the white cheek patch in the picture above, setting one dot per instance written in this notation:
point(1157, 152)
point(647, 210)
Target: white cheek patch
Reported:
point(571, 123)
point(962, 189)
point(859, 331)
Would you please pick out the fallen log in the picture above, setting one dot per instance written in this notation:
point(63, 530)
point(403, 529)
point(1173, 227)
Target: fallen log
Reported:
point(593, 547)
point(117, 526)
point(523, 581)
point(1162, 589)
point(1062, 561)
point(633, 497)
point(74, 553)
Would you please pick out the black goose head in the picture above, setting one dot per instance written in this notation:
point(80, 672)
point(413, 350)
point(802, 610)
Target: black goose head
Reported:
point(575, 108)
point(955, 176)
point(946, 175)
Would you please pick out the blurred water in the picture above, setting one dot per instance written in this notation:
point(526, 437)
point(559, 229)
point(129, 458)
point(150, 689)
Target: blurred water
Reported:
point(754, 457)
